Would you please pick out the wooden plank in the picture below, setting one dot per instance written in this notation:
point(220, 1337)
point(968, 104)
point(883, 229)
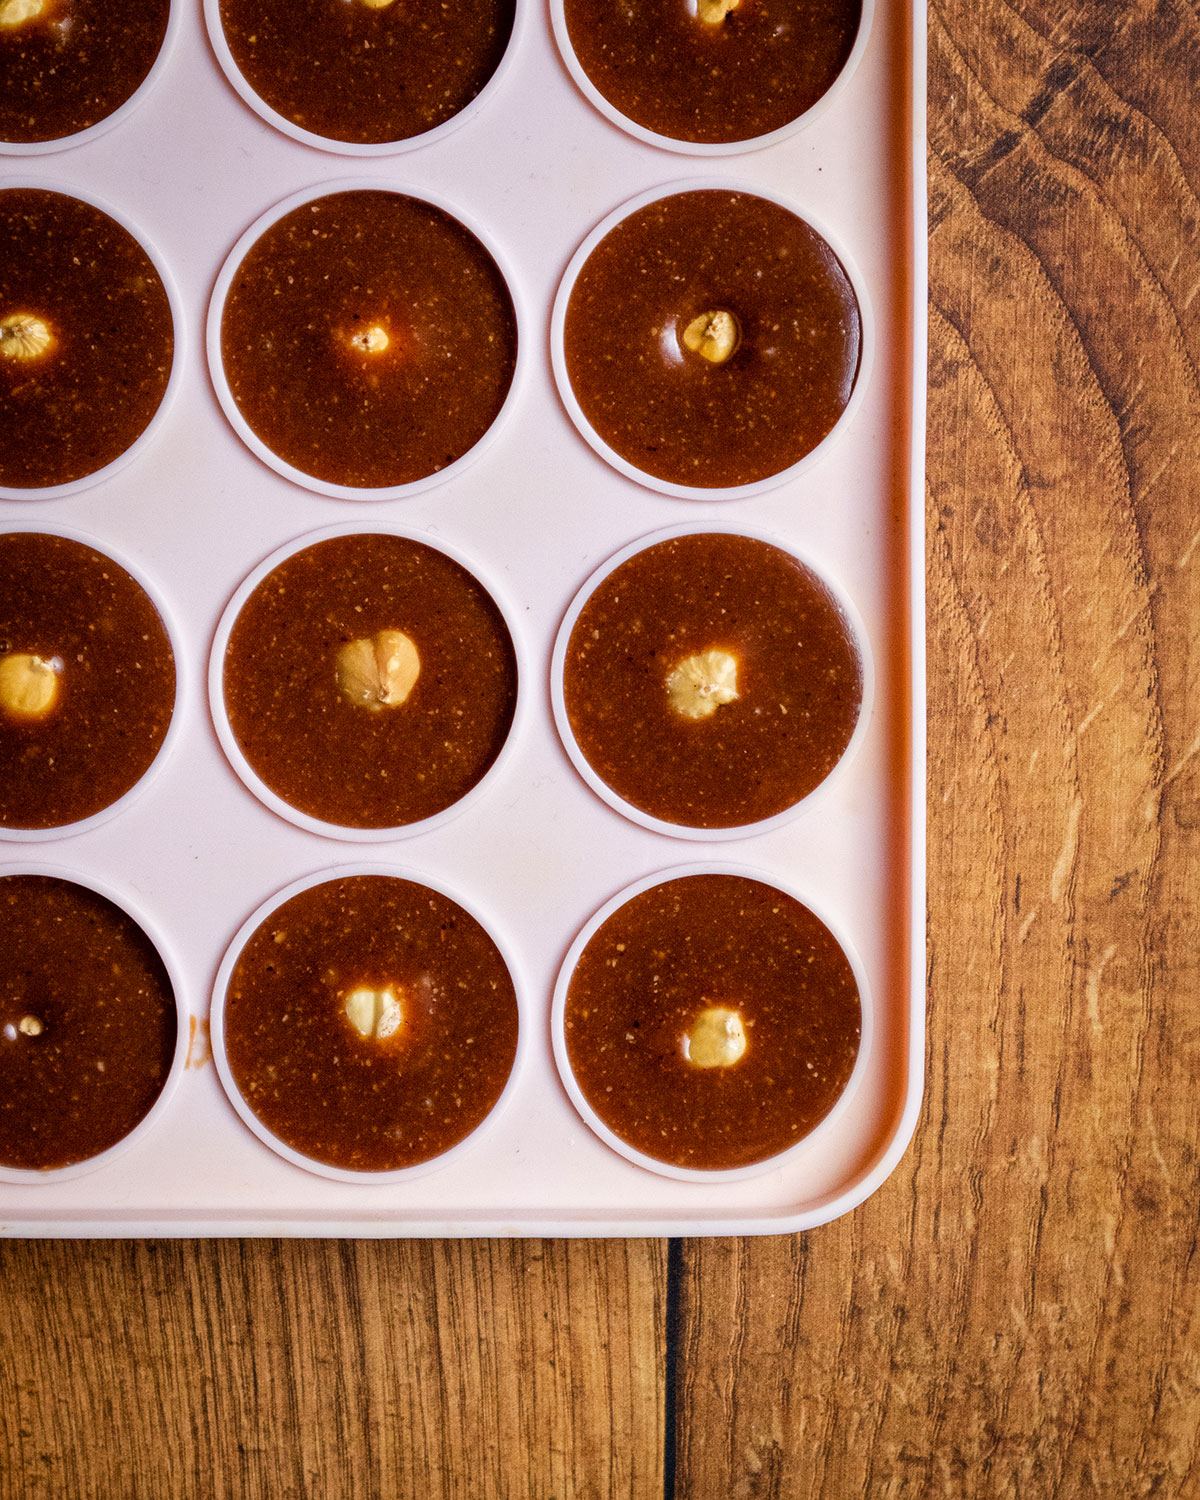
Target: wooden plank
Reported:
point(1015, 1313)
point(523, 1369)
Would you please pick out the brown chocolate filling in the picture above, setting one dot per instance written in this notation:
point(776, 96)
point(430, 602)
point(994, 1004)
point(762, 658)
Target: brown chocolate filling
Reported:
point(799, 680)
point(360, 1102)
point(87, 1023)
point(68, 604)
point(74, 64)
point(82, 402)
point(655, 964)
point(367, 73)
point(332, 758)
point(669, 411)
point(666, 69)
point(301, 345)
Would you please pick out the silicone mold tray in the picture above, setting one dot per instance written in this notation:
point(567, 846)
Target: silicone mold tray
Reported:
point(536, 167)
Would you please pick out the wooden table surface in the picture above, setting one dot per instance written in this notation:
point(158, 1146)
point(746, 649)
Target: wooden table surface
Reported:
point(1016, 1311)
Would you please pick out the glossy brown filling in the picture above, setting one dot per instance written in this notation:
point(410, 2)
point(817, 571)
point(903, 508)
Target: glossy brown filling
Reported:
point(367, 71)
point(114, 681)
point(333, 758)
point(668, 70)
point(666, 409)
point(661, 959)
point(81, 401)
point(73, 63)
point(368, 339)
point(87, 1023)
point(798, 683)
point(360, 1102)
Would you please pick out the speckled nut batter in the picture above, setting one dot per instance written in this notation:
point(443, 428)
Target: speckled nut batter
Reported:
point(368, 339)
point(711, 680)
point(713, 71)
point(338, 717)
point(86, 338)
point(367, 71)
point(87, 681)
point(87, 1023)
point(703, 954)
point(660, 399)
point(379, 1097)
point(66, 65)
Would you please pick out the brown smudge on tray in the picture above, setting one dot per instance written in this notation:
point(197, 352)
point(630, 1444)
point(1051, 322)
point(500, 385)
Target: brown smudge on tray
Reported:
point(199, 1048)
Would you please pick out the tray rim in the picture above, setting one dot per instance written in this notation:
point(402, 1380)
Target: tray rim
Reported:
point(388, 1224)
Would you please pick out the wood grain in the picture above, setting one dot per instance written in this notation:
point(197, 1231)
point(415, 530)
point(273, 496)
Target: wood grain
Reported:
point(1015, 1313)
point(292, 1369)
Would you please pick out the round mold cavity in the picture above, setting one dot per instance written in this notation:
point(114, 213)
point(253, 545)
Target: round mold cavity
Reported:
point(178, 355)
point(820, 1132)
point(136, 913)
point(246, 1113)
point(126, 800)
point(701, 148)
point(856, 631)
point(116, 116)
point(623, 465)
point(249, 95)
point(237, 758)
point(220, 380)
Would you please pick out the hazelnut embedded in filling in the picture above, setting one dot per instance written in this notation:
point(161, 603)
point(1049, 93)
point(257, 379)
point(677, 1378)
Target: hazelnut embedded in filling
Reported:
point(379, 671)
point(26, 1026)
point(28, 684)
point(714, 335)
point(713, 12)
point(370, 340)
point(698, 685)
point(377, 1013)
point(717, 1038)
point(24, 335)
point(14, 13)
